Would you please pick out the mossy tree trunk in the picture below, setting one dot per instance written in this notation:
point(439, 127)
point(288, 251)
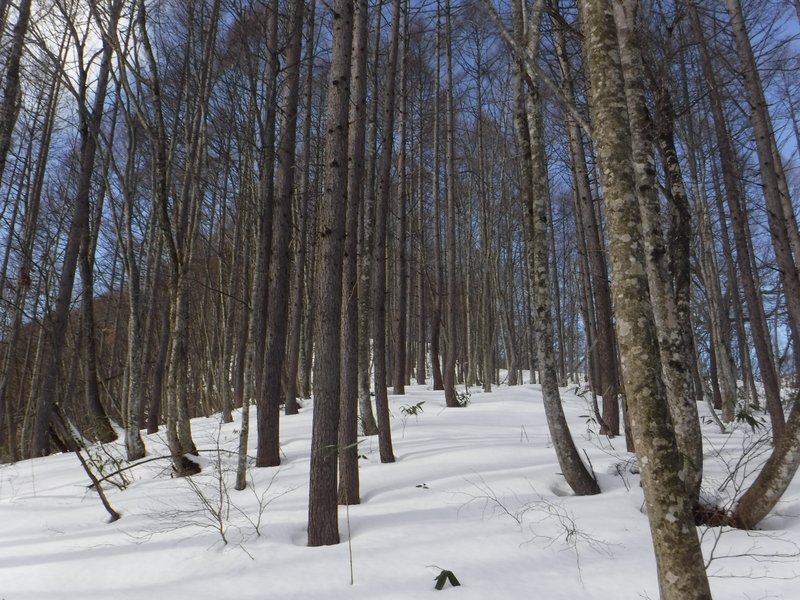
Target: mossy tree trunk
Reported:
point(681, 570)
point(535, 191)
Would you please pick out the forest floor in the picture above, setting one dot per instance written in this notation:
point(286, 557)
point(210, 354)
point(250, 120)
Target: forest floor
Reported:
point(475, 491)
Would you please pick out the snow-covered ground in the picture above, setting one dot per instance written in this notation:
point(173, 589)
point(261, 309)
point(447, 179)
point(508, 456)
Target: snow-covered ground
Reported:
point(475, 491)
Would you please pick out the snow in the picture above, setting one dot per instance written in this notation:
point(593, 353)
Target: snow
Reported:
point(475, 491)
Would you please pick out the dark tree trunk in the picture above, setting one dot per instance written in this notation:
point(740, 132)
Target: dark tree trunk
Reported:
point(322, 506)
point(379, 252)
point(348, 418)
point(268, 453)
point(450, 183)
point(9, 106)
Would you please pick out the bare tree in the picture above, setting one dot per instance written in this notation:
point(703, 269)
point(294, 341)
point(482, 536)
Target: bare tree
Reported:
point(452, 305)
point(302, 215)
point(366, 318)
point(535, 192)
point(322, 507)
point(735, 199)
point(9, 105)
point(602, 342)
point(56, 322)
point(401, 308)
point(675, 356)
point(679, 558)
point(379, 249)
point(348, 421)
point(278, 306)
point(780, 210)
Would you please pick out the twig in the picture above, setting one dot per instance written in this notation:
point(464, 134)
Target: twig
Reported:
point(524, 58)
point(154, 458)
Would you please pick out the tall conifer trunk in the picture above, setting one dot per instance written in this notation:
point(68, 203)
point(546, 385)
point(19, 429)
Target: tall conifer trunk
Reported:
point(323, 526)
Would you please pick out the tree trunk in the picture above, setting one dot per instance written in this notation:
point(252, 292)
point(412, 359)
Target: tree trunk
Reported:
point(422, 248)
point(265, 203)
point(438, 292)
point(780, 210)
point(535, 191)
point(604, 345)
point(298, 286)
point(56, 322)
point(348, 419)
point(322, 506)
point(367, 243)
point(675, 355)
point(734, 196)
point(24, 282)
point(775, 476)
point(268, 453)
point(379, 250)
point(450, 183)
point(133, 439)
point(101, 427)
point(401, 309)
point(486, 322)
point(9, 106)
point(681, 570)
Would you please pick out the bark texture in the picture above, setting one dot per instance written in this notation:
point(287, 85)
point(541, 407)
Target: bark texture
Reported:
point(323, 528)
point(535, 190)
point(675, 356)
point(680, 562)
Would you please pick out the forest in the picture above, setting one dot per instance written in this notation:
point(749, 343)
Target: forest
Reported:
point(212, 205)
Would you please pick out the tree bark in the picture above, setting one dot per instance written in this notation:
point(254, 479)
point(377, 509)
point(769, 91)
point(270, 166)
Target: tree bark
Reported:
point(268, 452)
point(604, 343)
point(401, 308)
point(9, 106)
point(449, 371)
point(678, 555)
point(302, 213)
point(775, 476)
point(367, 243)
point(322, 507)
point(780, 210)
point(724, 366)
point(265, 210)
point(675, 355)
point(438, 292)
point(133, 439)
point(26, 263)
point(735, 199)
point(379, 250)
point(534, 187)
point(422, 249)
point(348, 419)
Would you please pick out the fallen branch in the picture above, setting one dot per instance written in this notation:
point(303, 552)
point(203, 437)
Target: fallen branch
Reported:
point(76, 448)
